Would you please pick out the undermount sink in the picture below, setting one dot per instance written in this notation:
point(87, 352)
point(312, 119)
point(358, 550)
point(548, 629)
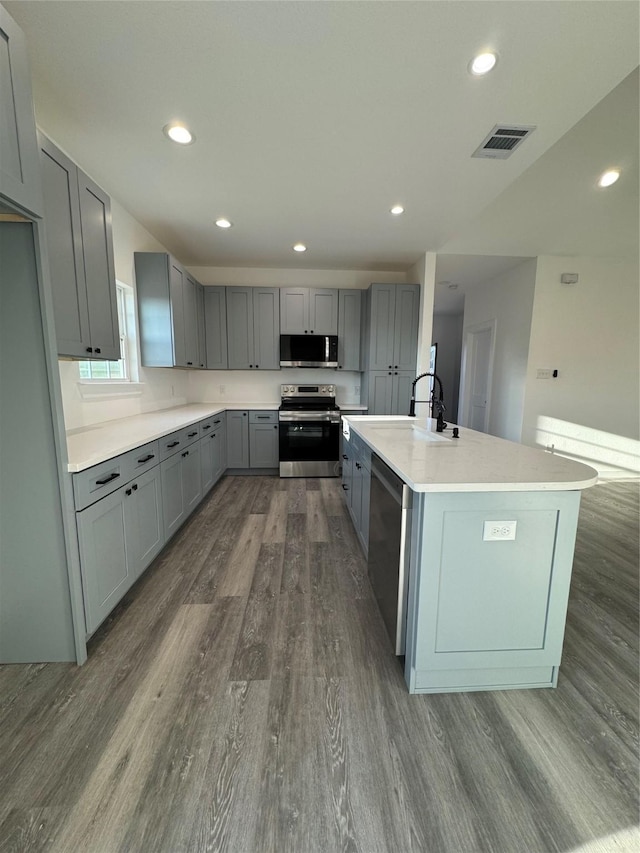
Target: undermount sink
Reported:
point(418, 431)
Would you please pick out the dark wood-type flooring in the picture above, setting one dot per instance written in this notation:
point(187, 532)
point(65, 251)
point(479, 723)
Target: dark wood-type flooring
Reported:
point(243, 697)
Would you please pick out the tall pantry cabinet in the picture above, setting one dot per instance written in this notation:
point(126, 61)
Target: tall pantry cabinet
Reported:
point(41, 615)
point(390, 347)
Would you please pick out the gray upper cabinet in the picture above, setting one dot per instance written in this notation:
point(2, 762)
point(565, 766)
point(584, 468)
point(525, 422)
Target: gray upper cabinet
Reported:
point(308, 311)
point(253, 328)
point(202, 335)
point(391, 326)
point(19, 161)
point(349, 323)
point(80, 249)
point(168, 312)
point(215, 318)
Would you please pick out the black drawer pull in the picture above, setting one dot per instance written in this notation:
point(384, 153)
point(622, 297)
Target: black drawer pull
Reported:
point(346, 488)
point(217, 422)
point(358, 466)
point(189, 363)
point(257, 365)
point(262, 417)
point(98, 349)
point(89, 349)
point(191, 434)
point(206, 426)
point(146, 458)
point(128, 492)
point(344, 456)
point(135, 487)
point(186, 453)
point(108, 479)
point(173, 444)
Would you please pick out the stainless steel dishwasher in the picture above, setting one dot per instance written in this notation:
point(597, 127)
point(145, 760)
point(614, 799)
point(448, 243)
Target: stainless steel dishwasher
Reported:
point(389, 548)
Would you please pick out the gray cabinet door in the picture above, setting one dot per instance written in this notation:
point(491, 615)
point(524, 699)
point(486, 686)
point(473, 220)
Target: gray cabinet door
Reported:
point(191, 477)
point(220, 452)
point(382, 312)
point(263, 445)
point(190, 309)
point(365, 501)
point(347, 471)
point(176, 291)
point(349, 323)
point(380, 388)
point(215, 318)
point(266, 328)
point(173, 501)
point(240, 327)
point(401, 393)
point(323, 311)
point(405, 349)
point(207, 450)
point(143, 520)
point(294, 310)
point(64, 244)
point(106, 571)
point(99, 270)
point(19, 159)
point(202, 332)
point(237, 439)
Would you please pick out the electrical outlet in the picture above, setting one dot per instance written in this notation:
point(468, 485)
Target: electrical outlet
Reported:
point(499, 531)
point(543, 373)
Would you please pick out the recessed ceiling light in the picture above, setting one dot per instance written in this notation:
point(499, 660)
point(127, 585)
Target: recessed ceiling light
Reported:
point(397, 209)
point(609, 177)
point(299, 247)
point(223, 223)
point(483, 63)
point(178, 133)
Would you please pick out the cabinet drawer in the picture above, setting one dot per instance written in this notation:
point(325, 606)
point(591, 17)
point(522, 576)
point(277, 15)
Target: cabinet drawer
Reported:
point(171, 444)
point(190, 434)
point(143, 458)
point(209, 424)
point(258, 417)
point(100, 480)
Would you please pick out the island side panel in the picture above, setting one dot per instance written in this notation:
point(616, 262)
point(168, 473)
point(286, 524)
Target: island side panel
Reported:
point(486, 615)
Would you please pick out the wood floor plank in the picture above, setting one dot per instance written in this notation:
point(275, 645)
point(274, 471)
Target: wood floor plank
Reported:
point(330, 488)
point(275, 527)
point(237, 574)
point(204, 586)
point(317, 529)
point(297, 491)
point(295, 573)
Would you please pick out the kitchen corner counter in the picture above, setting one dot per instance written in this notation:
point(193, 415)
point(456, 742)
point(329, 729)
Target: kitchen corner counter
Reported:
point(428, 461)
point(93, 444)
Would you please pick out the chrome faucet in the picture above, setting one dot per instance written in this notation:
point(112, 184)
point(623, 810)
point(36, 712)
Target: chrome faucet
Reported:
point(438, 404)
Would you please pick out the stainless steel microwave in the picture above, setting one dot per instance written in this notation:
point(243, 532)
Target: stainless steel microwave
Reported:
point(308, 350)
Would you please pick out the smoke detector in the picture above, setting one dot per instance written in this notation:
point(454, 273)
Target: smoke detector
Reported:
point(503, 141)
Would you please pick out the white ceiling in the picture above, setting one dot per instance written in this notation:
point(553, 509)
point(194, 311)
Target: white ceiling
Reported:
point(313, 118)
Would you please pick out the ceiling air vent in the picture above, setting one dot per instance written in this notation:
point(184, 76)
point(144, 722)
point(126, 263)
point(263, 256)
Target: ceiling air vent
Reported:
point(503, 141)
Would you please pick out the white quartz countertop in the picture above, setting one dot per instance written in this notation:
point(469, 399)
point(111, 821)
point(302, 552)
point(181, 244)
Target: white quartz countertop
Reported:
point(91, 445)
point(428, 461)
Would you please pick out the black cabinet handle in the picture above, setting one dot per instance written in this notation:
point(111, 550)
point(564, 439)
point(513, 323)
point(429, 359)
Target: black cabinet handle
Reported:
point(191, 434)
point(262, 417)
point(189, 364)
point(344, 456)
point(207, 426)
point(346, 488)
point(173, 444)
point(186, 453)
point(390, 366)
point(257, 366)
point(217, 422)
point(98, 349)
point(202, 365)
point(339, 367)
point(89, 349)
point(128, 492)
point(251, 366)
point(306, 332)
point(135, 487)
point(358, 466)
point(389, 373)
point(276, 426)
point(146, 458)
point(244, 414)
point(395, 366)
point(108, 479)
point(311, 332)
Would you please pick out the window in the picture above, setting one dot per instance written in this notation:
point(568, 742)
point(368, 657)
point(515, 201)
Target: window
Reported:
point(118, 371)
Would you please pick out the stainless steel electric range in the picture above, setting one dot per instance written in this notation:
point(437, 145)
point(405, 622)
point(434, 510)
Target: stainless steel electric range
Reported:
point(309, 431)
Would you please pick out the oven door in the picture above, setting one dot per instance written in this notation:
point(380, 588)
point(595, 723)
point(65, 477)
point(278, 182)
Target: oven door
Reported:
point(309, 448)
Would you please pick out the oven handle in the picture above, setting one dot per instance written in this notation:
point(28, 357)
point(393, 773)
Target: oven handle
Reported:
point(308, 417)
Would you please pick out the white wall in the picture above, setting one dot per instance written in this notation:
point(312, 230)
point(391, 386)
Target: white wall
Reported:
point(507, 299)
point(447, 333)
point(158, 388)
point(589, 333)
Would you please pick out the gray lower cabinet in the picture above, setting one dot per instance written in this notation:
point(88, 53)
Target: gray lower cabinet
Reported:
point(118, 535)
point(349, 325)
point(213, 454)
point(263, 445)
point(237, 439)
point(191, 477)
point(181, 487)
point(253, 328)
point(387, 392)
point(215, 318)
point(356, 484)
point(19, 162)
point(81, 261)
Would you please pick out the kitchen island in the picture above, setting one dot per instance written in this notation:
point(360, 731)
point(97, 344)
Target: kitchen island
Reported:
point(489, 543)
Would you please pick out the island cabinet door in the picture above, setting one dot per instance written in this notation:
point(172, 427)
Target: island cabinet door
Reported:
point(488, 613)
